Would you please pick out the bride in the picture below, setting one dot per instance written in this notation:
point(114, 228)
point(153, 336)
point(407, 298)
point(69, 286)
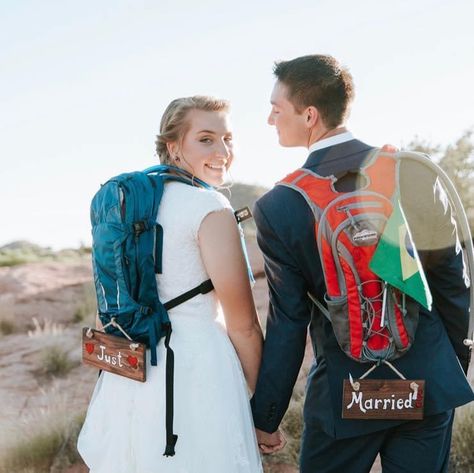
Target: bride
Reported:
point(216, 365)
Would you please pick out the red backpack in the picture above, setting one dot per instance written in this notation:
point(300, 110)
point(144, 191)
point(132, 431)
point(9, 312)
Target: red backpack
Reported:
point(348, 226)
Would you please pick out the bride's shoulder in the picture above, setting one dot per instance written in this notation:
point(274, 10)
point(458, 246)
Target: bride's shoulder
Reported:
point(196, 195)
point(195, 203)
point(210, 201)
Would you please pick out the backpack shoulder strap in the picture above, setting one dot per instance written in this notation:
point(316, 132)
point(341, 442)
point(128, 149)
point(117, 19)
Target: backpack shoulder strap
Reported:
point(317, 190)
point(382, 171)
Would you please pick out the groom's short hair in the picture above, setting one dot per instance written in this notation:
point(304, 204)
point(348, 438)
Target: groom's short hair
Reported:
point(318, 80)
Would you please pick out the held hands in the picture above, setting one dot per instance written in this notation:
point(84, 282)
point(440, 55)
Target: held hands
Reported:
point(270, 443)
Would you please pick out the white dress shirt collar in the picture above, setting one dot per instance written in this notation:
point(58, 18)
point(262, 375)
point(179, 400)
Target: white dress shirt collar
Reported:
point(331, 141)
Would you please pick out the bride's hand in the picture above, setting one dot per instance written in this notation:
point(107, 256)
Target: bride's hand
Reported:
point(270, 443)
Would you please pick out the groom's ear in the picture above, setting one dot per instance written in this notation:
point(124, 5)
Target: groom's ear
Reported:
point(311, 116)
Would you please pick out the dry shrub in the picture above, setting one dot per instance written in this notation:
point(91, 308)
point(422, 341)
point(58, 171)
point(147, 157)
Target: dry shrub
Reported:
point(49, 448)
point(292, 426)
point(7, 327)
point(45, 441)
point(86, 308)
point(55, 362)
point(7, 318)
point(34, 454)
point(462, 447)
point(46, 328)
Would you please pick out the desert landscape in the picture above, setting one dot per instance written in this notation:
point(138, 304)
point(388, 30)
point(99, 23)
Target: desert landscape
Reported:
point(44, 388)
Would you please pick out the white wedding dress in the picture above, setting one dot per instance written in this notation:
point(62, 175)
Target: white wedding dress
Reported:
point(124, 431)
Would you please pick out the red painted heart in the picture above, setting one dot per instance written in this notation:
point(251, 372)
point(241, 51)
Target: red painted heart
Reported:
point(132, 361)
point(90, 348)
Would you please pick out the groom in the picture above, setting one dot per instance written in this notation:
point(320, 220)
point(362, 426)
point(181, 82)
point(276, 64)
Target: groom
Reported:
point(310, 103)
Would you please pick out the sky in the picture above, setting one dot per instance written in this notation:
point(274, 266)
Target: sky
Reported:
point(83, 85)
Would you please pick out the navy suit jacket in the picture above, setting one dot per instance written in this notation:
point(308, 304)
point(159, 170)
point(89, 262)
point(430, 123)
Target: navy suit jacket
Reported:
point(285, 225)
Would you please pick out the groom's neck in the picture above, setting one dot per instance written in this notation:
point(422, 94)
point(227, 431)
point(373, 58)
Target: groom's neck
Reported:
point(323, 134)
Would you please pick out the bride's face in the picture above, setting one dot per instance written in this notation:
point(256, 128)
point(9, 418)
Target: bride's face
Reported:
point(207, 149)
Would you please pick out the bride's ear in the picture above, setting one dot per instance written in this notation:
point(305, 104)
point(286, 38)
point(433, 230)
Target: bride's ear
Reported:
point(172, 148)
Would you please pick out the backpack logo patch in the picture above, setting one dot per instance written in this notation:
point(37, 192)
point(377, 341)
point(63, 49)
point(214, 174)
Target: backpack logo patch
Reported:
point(365, 237)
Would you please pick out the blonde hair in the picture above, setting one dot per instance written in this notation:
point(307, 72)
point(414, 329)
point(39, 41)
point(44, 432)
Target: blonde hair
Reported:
point(174, 123)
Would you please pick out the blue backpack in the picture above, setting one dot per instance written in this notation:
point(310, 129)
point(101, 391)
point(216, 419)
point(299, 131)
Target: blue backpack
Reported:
point(127, 245)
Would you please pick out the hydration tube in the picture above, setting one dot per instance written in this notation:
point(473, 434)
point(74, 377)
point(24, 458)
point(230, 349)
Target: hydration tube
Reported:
point(167, 170)
point(461, 217)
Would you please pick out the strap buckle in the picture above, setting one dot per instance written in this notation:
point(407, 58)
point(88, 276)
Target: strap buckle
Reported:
point(139, 227)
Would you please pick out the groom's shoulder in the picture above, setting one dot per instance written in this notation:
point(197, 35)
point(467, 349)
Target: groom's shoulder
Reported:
point(281, 205)
point(276, 197)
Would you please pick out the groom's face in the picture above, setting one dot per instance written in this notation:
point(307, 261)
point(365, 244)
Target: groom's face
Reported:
point(290, 125)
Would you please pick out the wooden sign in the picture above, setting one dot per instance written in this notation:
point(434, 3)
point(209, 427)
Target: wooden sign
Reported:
point(383, 399)
point(114, 354)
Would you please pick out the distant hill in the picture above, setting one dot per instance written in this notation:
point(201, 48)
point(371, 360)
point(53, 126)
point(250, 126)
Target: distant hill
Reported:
point(242, 195)
point(23, 245)
point(23, 251)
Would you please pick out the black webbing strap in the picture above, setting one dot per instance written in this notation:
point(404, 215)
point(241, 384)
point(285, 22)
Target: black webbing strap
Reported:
point(171, 438)
point(203, 288)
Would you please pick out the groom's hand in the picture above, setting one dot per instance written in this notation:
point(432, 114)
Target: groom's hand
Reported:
point(270, 443)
